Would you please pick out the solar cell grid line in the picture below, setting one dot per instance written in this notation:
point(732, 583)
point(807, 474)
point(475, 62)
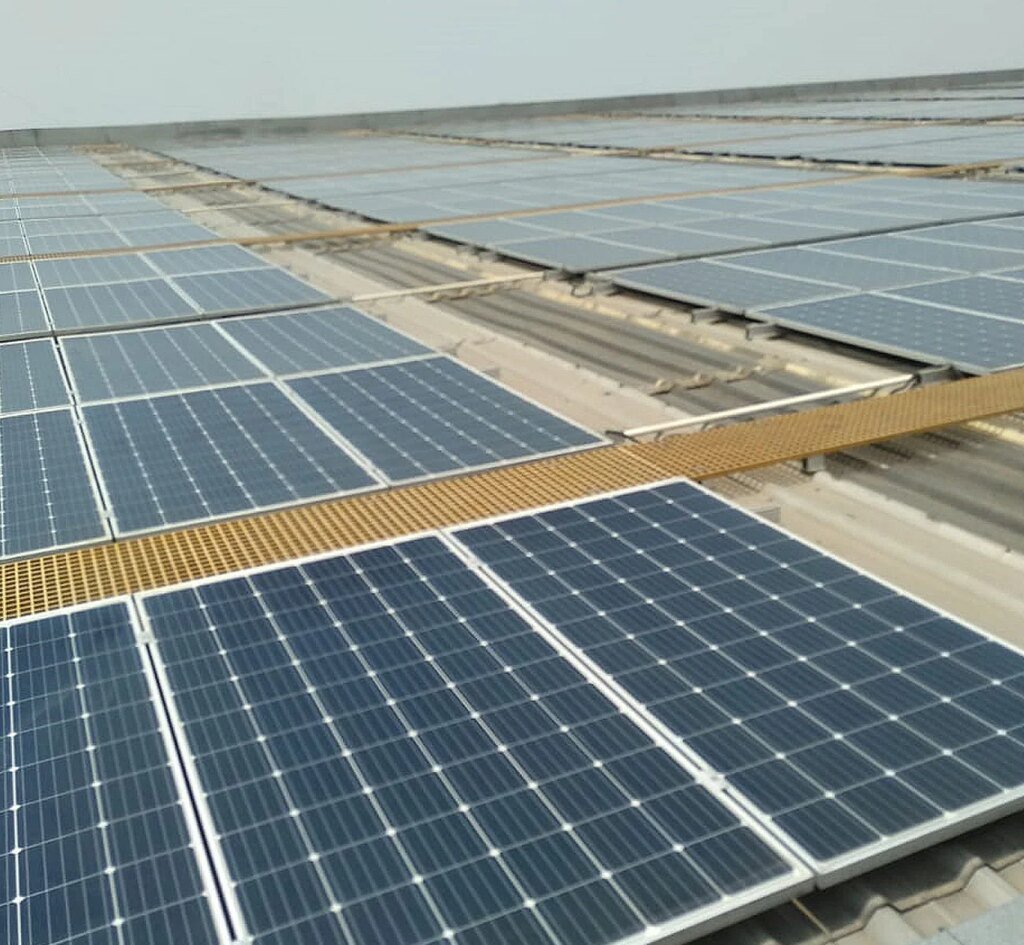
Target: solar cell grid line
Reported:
point(862, 723)
point(100, 848)
point(48, 498)
point(435, 415)
point(388, 750)
point(321, 339)
point(180, 458)
point(31, 377)
point(110, 365)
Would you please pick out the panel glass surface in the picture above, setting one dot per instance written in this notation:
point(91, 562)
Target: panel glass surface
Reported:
point(248, 289)
point(129, 363)
point(854, 717)
point(433, 416)
point(47, 496)
point(116, 303)
point(30, 377)
point(99, 851)
point(323, 339)
point(22, 313)
point(391, 754)
point(205, 454)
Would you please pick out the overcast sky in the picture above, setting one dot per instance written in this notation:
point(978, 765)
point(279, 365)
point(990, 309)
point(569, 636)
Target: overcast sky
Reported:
point(85, 62)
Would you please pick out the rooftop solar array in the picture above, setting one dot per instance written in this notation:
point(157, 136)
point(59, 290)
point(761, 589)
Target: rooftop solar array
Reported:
point(192, 422)
point(89, 292)
point(916, 144)
point(631, 718)
point(630, 233)
point(947, 295)
point(33, 170)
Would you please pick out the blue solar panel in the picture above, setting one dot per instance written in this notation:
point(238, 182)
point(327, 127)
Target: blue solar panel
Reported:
point(30, 377)
point(248, 290)
point(127, 363)
point(433, 416)
point(856, 719)
point(47, 496)
point(971, 342)
point(318, 340)
point(389, 753)
point(21, 314)
point(97, 848)
point(185, 457)
point(115, 303)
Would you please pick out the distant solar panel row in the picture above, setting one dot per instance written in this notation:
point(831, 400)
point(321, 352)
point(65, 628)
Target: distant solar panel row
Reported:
point(194, 422)
point(948, 295)
point(627, 234)
point(77, 294)
point(475, 737)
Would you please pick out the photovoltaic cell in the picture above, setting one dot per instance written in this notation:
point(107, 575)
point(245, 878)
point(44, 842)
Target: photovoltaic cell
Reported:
point(187, 457)
point(248, 289)
point(856, 719)
point(390, 753)
point(47, 498)
point(117, 303)
point(323, 339)
point(129, 363)
point(99, 848)
point(30, 377)
point(433, 416)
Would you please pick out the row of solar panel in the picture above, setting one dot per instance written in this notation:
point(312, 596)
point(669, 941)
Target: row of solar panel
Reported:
point(236, 416)
point(947, 295)
point(628, 234)
point(68, 295)
point(79, 205)
point(83, 233)
point(916, 144)
point(519, 731)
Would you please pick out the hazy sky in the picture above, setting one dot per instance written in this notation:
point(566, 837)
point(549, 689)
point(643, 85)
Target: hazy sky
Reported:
point(85, 62)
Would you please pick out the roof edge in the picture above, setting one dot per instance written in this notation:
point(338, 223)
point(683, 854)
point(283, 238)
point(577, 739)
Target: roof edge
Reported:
point(142, 133)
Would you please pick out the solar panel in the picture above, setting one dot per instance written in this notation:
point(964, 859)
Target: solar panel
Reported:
point(21, 313)
point(391, 753)
point(318, 340)
point(248, 290)
point(97, 848)
point(16, 277)
point(433, 416)
point(1002, 297)
point(929, 333)
point(47, 497)
point(716, 284)
point(579, 253)
point(205, 259)
point(903, 249)
point(153, 361)
point(976, 234)
point(857, 720)
point(162, 235)
point(680, 242)
point(854, 271)
point(30, 377)
point(84, 270)
point(116, 303)
point(74, 242)
point(188, 457)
